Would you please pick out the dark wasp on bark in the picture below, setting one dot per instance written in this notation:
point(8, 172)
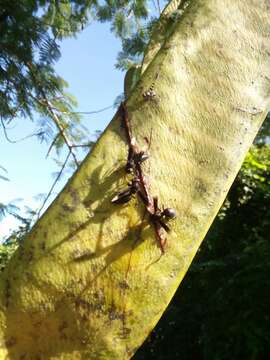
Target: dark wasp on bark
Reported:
point(135, 158)
point(125, 196)
point(159, 219)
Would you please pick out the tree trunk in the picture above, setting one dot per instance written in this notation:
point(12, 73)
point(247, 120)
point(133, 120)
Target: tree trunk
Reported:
point(89, 282)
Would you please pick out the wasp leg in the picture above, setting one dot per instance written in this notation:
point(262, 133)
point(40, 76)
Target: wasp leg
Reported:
point(122, 198)
point(161, 238)
point(165, 226)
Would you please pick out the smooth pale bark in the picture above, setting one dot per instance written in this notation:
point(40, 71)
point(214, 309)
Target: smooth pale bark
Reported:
point(162, 29)
point(89, 281)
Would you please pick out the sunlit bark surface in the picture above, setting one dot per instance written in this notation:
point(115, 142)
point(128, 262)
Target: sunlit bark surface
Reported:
point(89, 282)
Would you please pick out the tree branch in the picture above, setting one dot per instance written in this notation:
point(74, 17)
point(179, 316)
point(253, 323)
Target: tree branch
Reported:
point(53, 185)
point(58, 125)
point(46, 103)
point(18, 140)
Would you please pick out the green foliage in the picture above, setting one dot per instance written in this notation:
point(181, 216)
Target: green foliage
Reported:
point(30, 32)
point(6, 209)
point(264, 133)
point(132, 49)
point(66, 18)
point(30, 35)
point(221, 310)
point(7, 249)
point(26, 41)
point(129, 21)
point(11, 243)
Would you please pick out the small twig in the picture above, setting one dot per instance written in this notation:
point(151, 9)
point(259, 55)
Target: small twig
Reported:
point(52, 144)
point(5, 132)
point(142, 188)
point(92, 112)
point(159, 8)
point(59, 126)
point(81, 145)
point(145, 189)
point(72, 146)
point(138, 169)
point(155, 6)
point(82, 112)
point(46, 103)
point(53, 185)
point(17, 140)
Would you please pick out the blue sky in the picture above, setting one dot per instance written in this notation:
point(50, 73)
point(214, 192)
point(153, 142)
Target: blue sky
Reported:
point(87, 63)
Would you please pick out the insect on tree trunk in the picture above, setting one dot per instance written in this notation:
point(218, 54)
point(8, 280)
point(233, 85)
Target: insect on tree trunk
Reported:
point(90, 280)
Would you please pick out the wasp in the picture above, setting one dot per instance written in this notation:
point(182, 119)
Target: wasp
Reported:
point(135, 158)
point(125, 196)
point(159, 218)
